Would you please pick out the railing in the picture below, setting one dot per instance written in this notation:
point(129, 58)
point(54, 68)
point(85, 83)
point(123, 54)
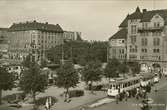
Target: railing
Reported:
point(150, 28)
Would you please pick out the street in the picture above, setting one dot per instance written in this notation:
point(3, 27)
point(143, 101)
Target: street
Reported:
point(159, 100)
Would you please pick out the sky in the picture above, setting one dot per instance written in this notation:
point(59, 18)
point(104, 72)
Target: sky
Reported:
point(95, 19)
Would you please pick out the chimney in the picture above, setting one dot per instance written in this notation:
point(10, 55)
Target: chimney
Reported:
point(144, 10)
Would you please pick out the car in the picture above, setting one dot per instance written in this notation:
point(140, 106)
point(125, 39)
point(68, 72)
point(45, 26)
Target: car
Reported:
point(156, 79)
point(165, 74)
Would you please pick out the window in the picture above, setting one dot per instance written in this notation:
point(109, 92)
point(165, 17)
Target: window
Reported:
point(133, 29)
point(144, 41)
point(122, 51)
point(123, 41)
point(144, 50)
point(156, 50)
point(132, 57)
point(133, 49)
point(133, 39)
point(156, 34)
point(156, 24)
point(156, 41)
point(114, 51)
point(144, 25)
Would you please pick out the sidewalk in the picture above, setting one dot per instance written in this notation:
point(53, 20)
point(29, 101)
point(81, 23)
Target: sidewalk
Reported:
point(79, 101)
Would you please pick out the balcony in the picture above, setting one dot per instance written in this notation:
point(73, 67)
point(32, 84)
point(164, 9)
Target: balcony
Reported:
point(152, 29)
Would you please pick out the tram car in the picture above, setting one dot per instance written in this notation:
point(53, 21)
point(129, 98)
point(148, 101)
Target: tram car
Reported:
point(123, 85)
point(127, 84)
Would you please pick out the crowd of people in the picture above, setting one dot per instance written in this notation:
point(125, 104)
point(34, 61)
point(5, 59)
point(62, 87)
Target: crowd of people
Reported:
point(140, 92)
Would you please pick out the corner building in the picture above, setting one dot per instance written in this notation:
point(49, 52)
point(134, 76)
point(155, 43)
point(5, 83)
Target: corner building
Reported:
point(146, 38)
point(33, 38)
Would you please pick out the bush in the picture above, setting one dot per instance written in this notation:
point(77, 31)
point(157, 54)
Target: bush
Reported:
point(13, 97)
point(76, 93)
point(42, 100)
point(97, 87)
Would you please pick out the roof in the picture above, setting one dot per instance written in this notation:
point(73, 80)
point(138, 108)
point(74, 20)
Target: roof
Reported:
point(149, 14)
point(125, 22)
point(145, 16)
point(35, 26)
point(121, 34)
point(123, 80)
point(4, 29)
point(136, 15)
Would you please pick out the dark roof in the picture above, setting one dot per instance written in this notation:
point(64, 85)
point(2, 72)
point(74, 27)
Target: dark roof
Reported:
point(125, 22)
point(121, 34)
point(136, 15)
point(3, 29)
point(35, 26)
point(149, 14)
point(144, 16)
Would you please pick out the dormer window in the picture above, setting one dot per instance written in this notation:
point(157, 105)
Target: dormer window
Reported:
point(156, 24)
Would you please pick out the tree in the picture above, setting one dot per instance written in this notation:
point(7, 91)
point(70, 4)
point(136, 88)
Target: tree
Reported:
point(32, 81)
point(27, 62)
point(43, 63)
point(6, 80)
point(67, 77)
point(92, 72)
point(79, 52)
point(112, 69)
point(135, 67)
point(123, 68)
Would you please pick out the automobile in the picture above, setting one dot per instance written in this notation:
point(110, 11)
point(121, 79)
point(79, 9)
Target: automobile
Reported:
point(156, 78)
point(146, 104)
point(165, 74)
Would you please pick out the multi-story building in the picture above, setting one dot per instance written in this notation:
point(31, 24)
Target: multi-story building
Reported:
point(146, 40)
point(33, 37)
point(3, 41)
point(71, 35)
point(117, 45)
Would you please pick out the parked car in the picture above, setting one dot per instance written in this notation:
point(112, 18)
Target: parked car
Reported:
point(156, 78)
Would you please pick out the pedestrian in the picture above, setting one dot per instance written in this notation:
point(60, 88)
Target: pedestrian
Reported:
point(50, 102)
point(90, 85)
point(137, 93)
point(117, 98)
point(47, 104)
point(126, 95)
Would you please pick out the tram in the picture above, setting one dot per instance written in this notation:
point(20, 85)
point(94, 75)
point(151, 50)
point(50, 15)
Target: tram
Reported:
point(123, 85)
point(118, 86)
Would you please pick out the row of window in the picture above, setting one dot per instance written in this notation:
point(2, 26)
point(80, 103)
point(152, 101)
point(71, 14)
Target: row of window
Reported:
point(144, 50)
point(122, 56)
point(144, 41)
point(47, 37)
point(121, 51)
point(156, 41)
point(153, 58)
point(158, 33)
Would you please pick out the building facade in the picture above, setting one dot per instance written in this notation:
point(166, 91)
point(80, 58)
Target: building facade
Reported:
point(33, 38)
point(146, 40)
point(4, 42)
point(117, 45)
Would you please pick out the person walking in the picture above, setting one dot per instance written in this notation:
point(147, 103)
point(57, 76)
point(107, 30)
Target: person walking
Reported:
point(117, 98)
point(50, 102)
point(137, 93)
point(47, 104)
point(126, 95)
